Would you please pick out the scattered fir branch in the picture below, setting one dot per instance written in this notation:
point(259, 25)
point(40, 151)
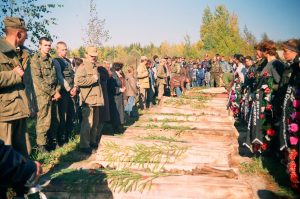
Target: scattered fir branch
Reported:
point(161, 138)
point(152, 157)
point(123, 180)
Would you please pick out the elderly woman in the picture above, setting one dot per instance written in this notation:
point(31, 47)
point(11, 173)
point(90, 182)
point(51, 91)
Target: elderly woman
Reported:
point(116, 87)
point(289, 88)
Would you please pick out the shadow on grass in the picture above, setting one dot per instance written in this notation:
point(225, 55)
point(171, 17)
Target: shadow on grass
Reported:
point(81, 183)
point(66, 183)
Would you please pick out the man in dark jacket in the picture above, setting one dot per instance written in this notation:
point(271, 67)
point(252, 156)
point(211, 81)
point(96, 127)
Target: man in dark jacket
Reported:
point(16, 171)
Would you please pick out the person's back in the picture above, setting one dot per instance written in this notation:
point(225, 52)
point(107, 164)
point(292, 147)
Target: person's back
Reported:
point(14, 107)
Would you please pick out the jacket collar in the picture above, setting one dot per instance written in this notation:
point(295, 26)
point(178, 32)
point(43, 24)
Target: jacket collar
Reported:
point(5, 46)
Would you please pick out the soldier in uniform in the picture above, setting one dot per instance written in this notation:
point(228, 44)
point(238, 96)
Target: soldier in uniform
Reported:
point(215, 72)
point(87, 79)
point(65, 75)
point(14, 107)
point(47, 89)
point(175, 76)
point(161, 79)
point(143, 81)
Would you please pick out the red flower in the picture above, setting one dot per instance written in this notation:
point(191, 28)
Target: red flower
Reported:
point(269, 107)
point(261, 116)
point(267, 90)
point(264, 146)
point(292, 166)
point(293, 154)
point(255, 147)
point(236, 111)
point(145, 177)
point(266, 74)
point(270, 132)
point(294, 177)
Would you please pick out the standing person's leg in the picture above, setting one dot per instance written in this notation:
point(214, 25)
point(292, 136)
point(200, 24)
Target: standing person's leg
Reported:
point(149, 97)
point(146, 96)
point(130, 104)
point(178, 91)
point(62, 113)
point(221, 82)
point(86, 125)
point(21, 141)
point(218, 79)
point(142, 98)
point(161, 88)
point(212, 80)
point(14, 133)
point(43, 123)
point(95, 127)
point(54, 137)
point(70, 119)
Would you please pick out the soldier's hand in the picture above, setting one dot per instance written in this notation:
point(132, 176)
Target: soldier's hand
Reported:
point(73, 92)
point(19, 71)
point(123, 89)
point(56, 96)
point(95, 77)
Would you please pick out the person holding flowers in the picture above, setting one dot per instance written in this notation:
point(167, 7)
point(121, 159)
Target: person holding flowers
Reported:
point(290, 117)
point(261, 128)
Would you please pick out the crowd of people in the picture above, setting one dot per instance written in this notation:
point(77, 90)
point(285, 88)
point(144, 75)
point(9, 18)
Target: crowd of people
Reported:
point(263, 92)
point(265, 95)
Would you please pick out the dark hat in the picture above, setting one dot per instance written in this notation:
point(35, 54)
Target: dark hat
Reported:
point(292, 44)
point(14, 22)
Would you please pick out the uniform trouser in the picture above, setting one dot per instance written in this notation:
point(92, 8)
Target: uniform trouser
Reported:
point(90, 126)
point(66, 117)
point(150, 97)
point(15, 133)
point(47, 122)
point(215, 79)
point(161, 90)
point(227, 78)
point(143, 97)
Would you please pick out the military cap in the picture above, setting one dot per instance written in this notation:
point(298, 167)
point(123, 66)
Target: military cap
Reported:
point(14, 22)
point(92, 51)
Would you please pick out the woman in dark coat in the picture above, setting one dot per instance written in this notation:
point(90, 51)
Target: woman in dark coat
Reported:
point(290, 115)
point(265, 108)
point(116, 88)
